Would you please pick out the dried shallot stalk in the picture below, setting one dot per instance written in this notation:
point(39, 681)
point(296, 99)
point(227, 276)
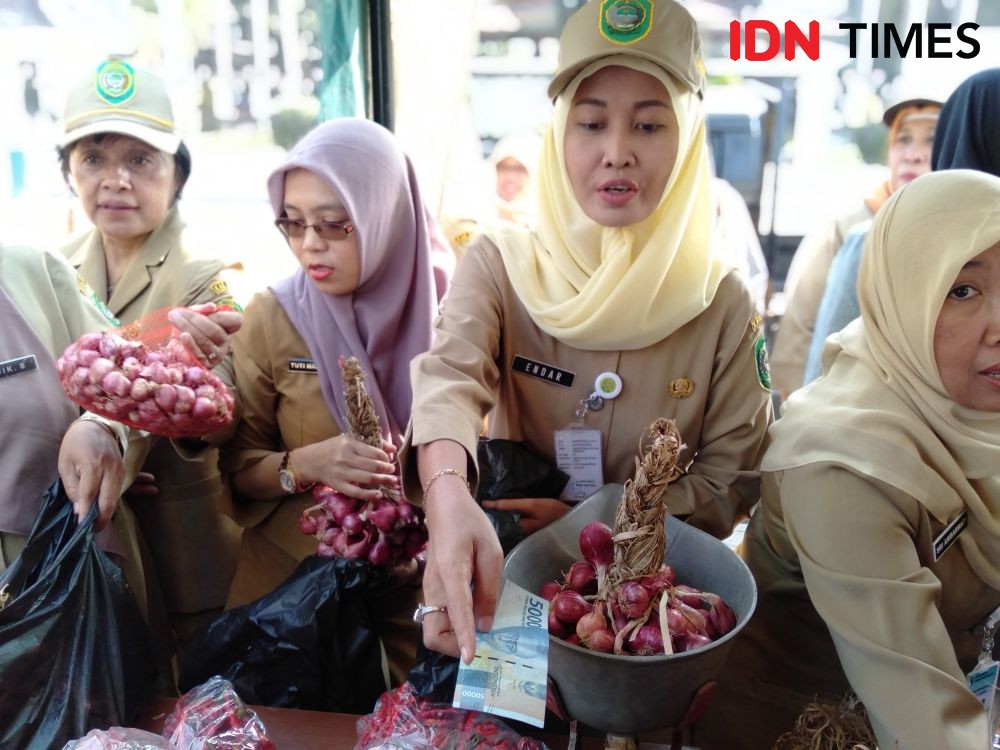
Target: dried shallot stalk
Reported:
point(823, 726)
point(362, 420)
point(639, 519)
point(361, 417)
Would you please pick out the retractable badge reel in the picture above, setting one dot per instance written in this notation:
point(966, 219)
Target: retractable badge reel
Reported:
point(578, 447)
point(983, 678)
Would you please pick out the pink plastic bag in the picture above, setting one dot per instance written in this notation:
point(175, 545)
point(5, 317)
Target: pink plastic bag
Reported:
point(119, 738)
point(142, 375)
point(401, 719)
point(211, 717)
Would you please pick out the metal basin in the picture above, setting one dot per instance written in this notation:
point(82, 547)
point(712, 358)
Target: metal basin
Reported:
point(630, 694)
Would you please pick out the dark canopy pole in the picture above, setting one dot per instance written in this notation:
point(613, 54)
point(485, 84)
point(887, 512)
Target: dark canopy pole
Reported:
point(380, 62)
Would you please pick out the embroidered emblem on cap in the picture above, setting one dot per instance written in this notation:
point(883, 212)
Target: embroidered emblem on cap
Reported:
point(625, 21)
point(681, 388)
point(115, 81)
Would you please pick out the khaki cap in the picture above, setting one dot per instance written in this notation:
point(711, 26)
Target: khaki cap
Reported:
point(661, 31)
point(118, 98)
point(890, 113)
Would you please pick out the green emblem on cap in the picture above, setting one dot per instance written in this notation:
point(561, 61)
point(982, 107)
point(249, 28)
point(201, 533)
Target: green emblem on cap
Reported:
point(760, 358)
point(625, 21)
point(115, 82)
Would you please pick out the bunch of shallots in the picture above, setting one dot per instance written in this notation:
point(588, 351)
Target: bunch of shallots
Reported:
point(387, 532)
point(621, 598)
point(159, 389)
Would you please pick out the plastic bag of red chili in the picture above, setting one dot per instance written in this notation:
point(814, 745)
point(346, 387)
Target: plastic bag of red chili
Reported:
point(212, 716)
point(142, 375)
point(401, 719)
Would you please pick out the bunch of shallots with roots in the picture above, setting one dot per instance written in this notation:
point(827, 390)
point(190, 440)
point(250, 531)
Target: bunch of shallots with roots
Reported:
point(388, 532)
point(621, 598)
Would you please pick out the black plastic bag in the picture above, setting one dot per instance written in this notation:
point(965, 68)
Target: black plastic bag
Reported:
point(511, 469)
point(74, 650)
point(507, 469)
point(309, 644)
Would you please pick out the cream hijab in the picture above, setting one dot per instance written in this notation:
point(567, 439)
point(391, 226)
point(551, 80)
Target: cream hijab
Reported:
point(602, 288)
point(881, 408)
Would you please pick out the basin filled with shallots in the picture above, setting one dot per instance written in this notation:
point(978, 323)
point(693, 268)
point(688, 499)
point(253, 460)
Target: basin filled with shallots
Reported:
point(606, 646)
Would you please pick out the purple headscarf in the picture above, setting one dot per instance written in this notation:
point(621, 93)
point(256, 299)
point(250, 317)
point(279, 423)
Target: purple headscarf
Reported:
point(387, 320)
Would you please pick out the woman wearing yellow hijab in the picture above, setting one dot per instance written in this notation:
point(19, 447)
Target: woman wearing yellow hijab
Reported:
point(575, 336)
point(877, 547)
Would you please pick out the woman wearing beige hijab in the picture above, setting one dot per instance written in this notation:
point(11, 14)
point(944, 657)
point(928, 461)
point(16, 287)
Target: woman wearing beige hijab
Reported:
point(877, 548)
point(615, 293)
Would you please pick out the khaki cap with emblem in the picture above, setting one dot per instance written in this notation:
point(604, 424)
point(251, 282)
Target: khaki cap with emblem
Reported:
point(661, 31)
point(119, 98)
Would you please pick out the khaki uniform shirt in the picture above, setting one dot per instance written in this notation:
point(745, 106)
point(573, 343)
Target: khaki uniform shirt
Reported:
point(282, 409)
point(906, 628)
point(490, 357)
point(183, 516)
point(804, 286)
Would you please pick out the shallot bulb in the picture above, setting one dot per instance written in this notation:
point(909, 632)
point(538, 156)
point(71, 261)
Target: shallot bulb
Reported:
point(569, 606)
point(597, 544)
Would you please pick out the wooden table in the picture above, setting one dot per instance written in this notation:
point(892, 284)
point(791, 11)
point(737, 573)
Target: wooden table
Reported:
point(294, 729)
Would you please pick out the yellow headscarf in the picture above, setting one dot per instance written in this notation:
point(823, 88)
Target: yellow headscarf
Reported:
point(603, 288)
point(881, 407)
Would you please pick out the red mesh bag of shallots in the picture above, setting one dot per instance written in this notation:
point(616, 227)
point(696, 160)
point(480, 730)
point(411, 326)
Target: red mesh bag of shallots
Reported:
point(142, 375)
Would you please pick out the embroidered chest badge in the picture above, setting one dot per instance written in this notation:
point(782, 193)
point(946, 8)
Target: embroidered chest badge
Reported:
point(625, 21)
point(115, 81)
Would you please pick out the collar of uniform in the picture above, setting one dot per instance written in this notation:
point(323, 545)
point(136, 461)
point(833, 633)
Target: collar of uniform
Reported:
point(154, 251)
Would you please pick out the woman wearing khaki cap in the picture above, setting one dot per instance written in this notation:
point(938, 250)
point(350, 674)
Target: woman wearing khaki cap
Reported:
point(121, 154)
point(615, 293)
point(877, 546)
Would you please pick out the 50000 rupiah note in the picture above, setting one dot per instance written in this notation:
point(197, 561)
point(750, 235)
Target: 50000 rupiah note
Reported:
point(509, 674)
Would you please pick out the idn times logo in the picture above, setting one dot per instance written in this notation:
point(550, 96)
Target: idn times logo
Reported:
point(885, 40)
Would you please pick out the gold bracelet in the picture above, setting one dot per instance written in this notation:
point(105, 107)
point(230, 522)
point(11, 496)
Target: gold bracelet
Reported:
point(442, 473)
point(88, 417)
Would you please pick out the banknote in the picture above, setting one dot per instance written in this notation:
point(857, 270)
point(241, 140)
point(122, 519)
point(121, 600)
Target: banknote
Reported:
point(509, 674)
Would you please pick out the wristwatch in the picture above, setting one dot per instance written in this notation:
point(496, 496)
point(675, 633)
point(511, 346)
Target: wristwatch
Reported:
point(286, 476)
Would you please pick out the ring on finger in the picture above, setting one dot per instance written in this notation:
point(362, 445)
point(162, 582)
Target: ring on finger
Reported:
point(212, 356)
point(423, 610)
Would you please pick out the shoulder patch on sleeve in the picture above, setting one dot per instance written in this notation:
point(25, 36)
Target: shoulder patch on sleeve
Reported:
point(761, 363)
point(87, 291)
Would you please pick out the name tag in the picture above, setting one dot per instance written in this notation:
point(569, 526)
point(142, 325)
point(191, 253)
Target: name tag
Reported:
point(542, 371)
point(296, 364)
point(18, 366)
point(947, 537)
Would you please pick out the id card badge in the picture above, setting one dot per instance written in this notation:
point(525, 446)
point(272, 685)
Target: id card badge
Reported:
point(578, 454)
point(983, 678)
point(983, 682)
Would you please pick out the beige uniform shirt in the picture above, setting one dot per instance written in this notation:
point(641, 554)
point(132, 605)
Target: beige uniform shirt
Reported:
point(804, 287)
point(490, 357)
point(282, 409)
point(184, 516)
point(905, 628)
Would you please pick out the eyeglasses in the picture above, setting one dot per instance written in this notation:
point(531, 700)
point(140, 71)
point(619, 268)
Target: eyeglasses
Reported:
point(295, 229)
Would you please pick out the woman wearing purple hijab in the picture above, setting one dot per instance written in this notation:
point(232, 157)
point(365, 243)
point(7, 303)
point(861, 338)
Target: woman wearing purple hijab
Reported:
point(347, 201)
